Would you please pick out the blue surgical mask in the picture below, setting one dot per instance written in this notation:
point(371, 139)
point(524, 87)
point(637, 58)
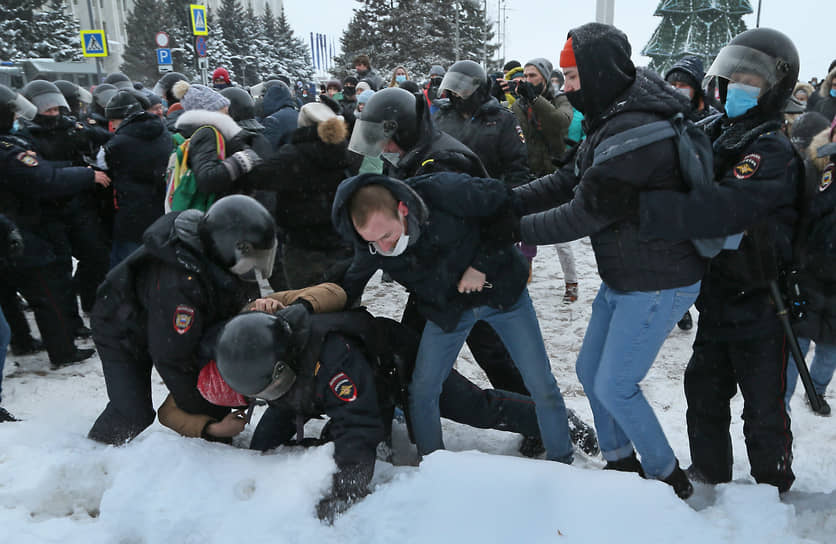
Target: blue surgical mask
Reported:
point(741, 98)
point(833, 93)
point(400, 78)
point(16, 126)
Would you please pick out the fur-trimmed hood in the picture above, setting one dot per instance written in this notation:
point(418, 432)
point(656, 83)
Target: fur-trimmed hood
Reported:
point(191, 120)
point(332, 131)
point(819, 140)
point(824, 90)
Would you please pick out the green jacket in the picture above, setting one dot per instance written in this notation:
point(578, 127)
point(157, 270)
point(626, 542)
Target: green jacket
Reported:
point(545, 124)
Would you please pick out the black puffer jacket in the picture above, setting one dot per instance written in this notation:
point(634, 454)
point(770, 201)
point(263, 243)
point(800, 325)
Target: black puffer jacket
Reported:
point(584, 200)
point(136, 157)
point(494, 134)
point(307, 173)
point(445, 210)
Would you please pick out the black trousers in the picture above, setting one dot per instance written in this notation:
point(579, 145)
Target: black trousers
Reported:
point(758, 367)
point(487, 349)
point(13, 310)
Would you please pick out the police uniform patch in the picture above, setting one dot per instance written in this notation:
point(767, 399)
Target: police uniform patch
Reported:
point(520, 133)
point(343, 388)
point(827, 177)
point(183, 319)
point(748, 166)
point(27, 159)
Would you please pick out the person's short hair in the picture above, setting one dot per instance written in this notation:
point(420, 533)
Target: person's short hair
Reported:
point(369, 199)
point(362, 59)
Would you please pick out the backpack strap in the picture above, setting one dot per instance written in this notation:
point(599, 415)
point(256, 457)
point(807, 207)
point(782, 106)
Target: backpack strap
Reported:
point(632, 139)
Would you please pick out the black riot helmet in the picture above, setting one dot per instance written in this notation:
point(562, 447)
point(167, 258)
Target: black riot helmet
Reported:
point(75, 95)
point(45, 95)
point(101, 96)
point(239, 234)
point(119, 80)
point(255, 354)
point(466, 85)
point(125, 103)
point(166, 83)
point(11, 104)
point(242, 108)
point(390, 114)
point(762, 52)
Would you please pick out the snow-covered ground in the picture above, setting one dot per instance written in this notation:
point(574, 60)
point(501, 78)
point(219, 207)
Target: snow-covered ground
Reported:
point(57, 486)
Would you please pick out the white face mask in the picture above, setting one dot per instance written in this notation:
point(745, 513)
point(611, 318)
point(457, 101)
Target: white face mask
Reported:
point(684, 91)
point(399, 247)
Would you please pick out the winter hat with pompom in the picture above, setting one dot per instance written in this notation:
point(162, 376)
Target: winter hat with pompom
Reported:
point(198, 97)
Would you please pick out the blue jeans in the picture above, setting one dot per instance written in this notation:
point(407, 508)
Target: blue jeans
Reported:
point(624, 335)
point(5, 338)
point(821, 369)
point(520, 332)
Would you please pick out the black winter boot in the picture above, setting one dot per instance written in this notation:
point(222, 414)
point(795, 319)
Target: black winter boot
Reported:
point(582, 435)
point(686, 323)
point(678, 480)
point(6, 416)
point(532, 446)
point(626, 464)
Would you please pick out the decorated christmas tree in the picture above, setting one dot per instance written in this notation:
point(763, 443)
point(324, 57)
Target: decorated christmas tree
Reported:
point(694, 27)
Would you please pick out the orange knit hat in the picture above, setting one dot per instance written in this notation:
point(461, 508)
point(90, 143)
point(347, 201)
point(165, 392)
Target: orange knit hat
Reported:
point(567, 56)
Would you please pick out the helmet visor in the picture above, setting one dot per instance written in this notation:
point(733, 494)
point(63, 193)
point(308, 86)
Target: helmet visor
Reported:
point(283, 379)
point(23, 107)
point(249, 259)
point(741, 64)
point(369, 137)
point(49, 100)
point(84, 95)
point(462, 85)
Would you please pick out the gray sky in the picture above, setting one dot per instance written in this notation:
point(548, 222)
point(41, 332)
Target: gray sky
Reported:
point(538, 28)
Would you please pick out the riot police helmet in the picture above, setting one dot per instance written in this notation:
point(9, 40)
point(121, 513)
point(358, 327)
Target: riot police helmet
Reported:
point(119, 80)
point(125, 103)
point(45, 95)
point(75, 95)
point(13, 103)
point(390, 114)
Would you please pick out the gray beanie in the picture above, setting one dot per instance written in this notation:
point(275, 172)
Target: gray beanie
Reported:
point(436, 70)
point(543, 66)
point(199, 97)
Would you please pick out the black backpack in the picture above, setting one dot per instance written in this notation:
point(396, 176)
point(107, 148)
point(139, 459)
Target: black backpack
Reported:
point(696, 162)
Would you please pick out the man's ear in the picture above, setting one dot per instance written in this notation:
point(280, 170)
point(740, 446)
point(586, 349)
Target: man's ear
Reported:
point(403, 209)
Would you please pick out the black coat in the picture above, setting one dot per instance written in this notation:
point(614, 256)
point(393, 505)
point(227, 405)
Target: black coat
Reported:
point(137, 157)
point(584, 200)
point(280, 115)
point(494, 134)
point(445, 211)
point(307, 172)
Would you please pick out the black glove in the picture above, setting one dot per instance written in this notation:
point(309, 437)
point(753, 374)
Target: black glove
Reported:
point(526, 91)
point(502, 228)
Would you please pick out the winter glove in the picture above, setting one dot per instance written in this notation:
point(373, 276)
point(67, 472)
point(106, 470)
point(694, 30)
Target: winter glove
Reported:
point(502, 228)
point(526, 91)
point(241, 162)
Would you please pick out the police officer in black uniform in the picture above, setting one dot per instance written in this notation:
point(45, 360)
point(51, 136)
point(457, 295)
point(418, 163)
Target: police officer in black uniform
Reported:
point(476, 119)
point(155, 305)
point(25, 179)
point(740, 342)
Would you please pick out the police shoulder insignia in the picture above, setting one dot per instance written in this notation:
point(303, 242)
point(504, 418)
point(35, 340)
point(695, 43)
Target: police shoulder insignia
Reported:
point(827, 177)
point(27, 159)
point(343, 388)
point(183, 318)
point(6, 145)
point(748, 166)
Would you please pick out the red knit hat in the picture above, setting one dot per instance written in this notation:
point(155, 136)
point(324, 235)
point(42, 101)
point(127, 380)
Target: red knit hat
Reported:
point(221, 73)
point(567, 56)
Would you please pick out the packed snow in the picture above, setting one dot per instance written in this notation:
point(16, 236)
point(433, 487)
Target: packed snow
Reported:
point(57, 486)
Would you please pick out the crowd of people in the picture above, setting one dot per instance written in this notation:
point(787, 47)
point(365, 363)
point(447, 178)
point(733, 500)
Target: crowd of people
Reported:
point(175, 201)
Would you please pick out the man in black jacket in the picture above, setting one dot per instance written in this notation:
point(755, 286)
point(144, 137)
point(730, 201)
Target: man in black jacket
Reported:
point(155, 305)
point(26, 179)
point(646, 286)
point(740, 342)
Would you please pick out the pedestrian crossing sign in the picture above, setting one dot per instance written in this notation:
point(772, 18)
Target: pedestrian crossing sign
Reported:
point(199, 26)
point(93, 43)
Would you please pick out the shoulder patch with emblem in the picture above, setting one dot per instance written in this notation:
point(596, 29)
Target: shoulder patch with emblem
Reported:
point(746, 168)
point(827, 177)
point(520, 133)
point(183, 318)
point(343, 388)
point(27, 159)
point(6, 145)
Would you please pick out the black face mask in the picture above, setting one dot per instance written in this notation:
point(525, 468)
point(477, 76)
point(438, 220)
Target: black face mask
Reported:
point(349, 91)
point(435, 81)
point(576, 99)
point(539, 88)
point(464, 106)
point(47, 121)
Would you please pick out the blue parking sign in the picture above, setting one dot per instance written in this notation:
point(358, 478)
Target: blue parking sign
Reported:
point(164, 56)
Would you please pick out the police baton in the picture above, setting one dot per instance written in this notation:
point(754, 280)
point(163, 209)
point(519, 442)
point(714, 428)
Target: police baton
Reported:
point(795, 349)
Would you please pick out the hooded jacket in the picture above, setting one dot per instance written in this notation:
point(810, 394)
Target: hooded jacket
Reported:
point(137, 157)
point(584, 200)
point(280, 115)
point(826, 104)
point(494, 134)
point(445, 211)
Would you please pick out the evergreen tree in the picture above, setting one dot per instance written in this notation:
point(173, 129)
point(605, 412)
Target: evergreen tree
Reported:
point(17, 28)
point(694, 27)
point(217, 48)
point(140, 57)
point(368, 33)
point(57, 34)
point(293, 53)
point(231, 18)
point(177, 23)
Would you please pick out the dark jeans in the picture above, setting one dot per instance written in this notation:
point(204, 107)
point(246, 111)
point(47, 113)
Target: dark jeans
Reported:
point(716, 369)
